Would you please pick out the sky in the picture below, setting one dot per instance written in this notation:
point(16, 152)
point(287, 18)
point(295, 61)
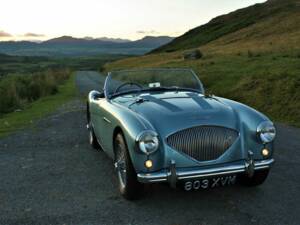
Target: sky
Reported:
point(129, 19)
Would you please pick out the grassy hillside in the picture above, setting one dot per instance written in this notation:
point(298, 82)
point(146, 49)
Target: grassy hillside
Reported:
point(258, 64)
point(262, 17)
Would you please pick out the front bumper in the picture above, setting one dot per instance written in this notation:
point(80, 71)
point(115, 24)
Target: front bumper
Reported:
point(173, 174)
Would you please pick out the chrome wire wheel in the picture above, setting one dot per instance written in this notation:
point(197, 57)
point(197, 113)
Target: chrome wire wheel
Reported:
point(129, 187)
point(121, 165)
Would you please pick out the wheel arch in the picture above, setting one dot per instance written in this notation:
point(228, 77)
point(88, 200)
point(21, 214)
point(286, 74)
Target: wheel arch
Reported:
point(117, 130)
point(88, 114)
point(134, 157)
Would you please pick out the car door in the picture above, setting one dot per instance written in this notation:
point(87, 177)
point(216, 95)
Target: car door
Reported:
point(96, 118)
point(106, 127)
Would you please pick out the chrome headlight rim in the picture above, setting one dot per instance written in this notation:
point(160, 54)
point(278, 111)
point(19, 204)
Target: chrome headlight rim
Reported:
point(266, 132)
point(143, 138)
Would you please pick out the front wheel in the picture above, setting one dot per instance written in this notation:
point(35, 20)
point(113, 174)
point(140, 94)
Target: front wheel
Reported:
point(258, 178)
point(129, 187)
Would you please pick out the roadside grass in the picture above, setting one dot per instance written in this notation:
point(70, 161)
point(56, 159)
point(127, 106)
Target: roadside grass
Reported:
point(34, 86)
point(34, 111)
point(267, 81)
point(19, 90)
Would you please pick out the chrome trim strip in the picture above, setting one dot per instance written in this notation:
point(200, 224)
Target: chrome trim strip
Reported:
point(211, 172)
point(163, 176)
point(106, 120)
point(263, 164)
point(152, 177)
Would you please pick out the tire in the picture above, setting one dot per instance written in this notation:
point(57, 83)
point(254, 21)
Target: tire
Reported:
point(258, 178)
point(129, 186)
point(93, 139)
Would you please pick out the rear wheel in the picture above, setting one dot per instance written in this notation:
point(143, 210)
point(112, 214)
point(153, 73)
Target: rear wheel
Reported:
point(129, 187)
point(258, 178)
point(92, 138)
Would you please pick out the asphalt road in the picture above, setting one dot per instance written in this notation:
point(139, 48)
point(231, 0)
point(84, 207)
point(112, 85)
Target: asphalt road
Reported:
point(50, 175)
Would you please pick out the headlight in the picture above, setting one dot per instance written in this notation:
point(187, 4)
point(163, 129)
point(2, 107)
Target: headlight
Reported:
point(148, 142)
point(266, 131)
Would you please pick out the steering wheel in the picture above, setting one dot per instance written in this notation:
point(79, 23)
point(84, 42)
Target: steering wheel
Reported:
point(128, 83)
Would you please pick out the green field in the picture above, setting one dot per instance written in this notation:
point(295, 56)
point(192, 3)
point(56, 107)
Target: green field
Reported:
point(31, 64)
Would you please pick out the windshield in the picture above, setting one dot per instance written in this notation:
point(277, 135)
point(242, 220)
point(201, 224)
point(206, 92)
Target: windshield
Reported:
point(131, 81)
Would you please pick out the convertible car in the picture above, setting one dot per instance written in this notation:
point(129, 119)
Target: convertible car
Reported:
point(158, 125)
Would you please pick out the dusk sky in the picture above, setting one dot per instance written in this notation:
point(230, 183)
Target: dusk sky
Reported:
point(131, 19)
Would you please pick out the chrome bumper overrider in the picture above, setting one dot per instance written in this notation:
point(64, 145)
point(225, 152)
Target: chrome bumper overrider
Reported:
point(173, 174)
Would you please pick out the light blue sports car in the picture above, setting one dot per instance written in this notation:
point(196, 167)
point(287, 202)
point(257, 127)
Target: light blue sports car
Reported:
point(158, 125)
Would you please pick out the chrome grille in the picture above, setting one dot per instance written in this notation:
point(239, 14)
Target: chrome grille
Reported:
point(203, 142)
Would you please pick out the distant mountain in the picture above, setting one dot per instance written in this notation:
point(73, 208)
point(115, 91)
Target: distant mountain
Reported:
point(255, 23)
point(65, 40)
point(70, 39)
point(148, 41)
point(106, 39)
point(117, 40)
point(71, 46)
point(153, 41)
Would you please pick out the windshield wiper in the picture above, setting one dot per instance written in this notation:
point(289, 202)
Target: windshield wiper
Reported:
point(139, 100)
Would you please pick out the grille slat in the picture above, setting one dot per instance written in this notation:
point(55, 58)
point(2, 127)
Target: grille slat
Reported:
point(203, 142)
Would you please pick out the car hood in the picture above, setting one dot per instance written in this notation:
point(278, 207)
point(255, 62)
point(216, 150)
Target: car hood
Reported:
point(173, 111)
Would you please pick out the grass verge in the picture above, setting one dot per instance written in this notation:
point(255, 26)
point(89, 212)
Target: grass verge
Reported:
point(36, 110)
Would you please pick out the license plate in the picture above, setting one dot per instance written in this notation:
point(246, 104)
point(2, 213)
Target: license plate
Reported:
point(209, 183)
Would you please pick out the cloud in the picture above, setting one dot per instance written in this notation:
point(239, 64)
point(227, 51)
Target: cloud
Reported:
point(4, 34)
point(33, 35)
point(147, 32)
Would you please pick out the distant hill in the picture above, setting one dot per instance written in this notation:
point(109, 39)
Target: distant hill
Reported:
point(152, 41)
point(70, 46)
point(261, 21)
point(70, 39)
point(65, 40)
point(116, 40)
